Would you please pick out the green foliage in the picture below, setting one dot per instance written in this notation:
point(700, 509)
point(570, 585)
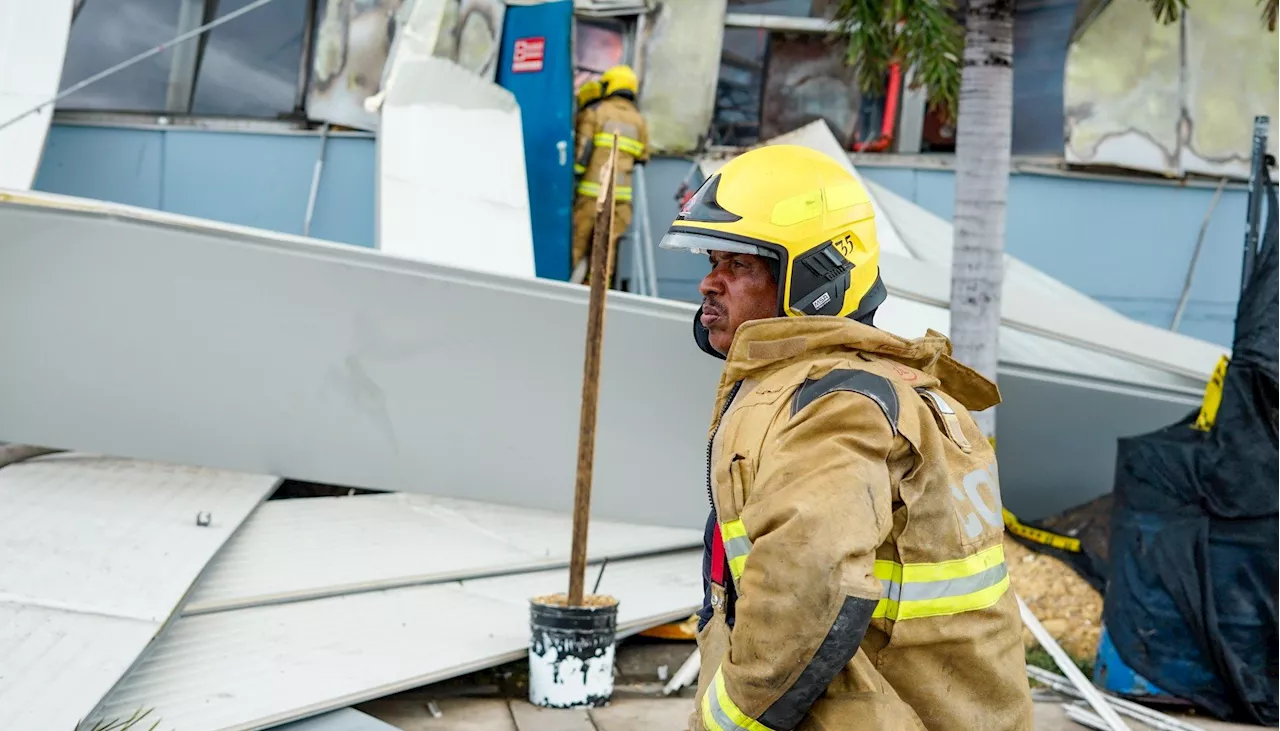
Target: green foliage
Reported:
point(1168, 11)
point(920, 35)
point(125, 724)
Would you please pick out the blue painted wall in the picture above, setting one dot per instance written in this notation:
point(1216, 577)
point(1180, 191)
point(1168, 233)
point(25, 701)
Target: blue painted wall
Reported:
point(1126, 244)
point(252, 179)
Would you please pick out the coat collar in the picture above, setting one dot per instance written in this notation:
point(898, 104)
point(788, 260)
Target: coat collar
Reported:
point(763, 346)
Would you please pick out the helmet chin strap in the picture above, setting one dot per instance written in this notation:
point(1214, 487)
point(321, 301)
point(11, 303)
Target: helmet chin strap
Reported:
point(702, 337)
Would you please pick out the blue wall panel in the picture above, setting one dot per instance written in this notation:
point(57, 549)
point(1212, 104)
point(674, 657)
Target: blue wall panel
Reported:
point(259, 180)
point(118, 165)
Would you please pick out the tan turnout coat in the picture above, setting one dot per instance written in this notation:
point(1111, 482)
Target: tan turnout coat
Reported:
point(852, 488)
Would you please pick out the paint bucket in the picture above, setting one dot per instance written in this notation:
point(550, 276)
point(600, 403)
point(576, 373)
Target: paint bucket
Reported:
point(571, 651)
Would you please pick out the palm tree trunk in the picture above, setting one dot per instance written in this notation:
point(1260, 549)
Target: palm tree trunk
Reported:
point(983, 133)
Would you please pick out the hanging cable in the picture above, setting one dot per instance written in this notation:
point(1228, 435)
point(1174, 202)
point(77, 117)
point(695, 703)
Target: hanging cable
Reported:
point(140, 57)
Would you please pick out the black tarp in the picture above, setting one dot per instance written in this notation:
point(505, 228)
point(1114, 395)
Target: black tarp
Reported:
point(1191, 592)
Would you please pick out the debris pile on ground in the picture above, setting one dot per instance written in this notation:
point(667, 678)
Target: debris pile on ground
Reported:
point(1065, 603)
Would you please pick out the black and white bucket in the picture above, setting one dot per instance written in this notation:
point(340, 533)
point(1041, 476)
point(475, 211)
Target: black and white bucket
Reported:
point(571, 651)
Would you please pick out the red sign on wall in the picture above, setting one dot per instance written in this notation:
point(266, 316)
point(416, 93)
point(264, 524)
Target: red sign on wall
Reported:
point(528, 54)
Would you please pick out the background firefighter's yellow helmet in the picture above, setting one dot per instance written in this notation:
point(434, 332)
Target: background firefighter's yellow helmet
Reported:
point(800, 208)
point(619, 78)
point(589, 92)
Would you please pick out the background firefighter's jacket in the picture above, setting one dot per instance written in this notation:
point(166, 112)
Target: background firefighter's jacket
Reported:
point(613, 115)
point(856, 540)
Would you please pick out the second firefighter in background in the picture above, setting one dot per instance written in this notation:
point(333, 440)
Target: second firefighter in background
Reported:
point(614, 114)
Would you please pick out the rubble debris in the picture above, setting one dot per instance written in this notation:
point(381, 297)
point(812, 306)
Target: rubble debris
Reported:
point(1068, 607)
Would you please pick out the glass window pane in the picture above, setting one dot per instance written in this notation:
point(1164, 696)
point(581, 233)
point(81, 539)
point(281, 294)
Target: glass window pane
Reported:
point(250, 65)
point(597, 48)
point(793, 8)
point(737, 111)
point(109, 31)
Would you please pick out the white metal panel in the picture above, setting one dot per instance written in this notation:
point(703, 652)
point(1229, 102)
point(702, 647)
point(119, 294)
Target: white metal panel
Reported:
point(452, 187)
point(344, 719)
point(97, 553)
point(253, 668)
point(1035, 302)
point(33, 44)
point(292, 549)
point(336, 364)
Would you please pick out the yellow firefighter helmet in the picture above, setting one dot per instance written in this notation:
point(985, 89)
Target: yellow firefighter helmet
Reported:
point(803, 210)
point(589, 92)
point(620, 78)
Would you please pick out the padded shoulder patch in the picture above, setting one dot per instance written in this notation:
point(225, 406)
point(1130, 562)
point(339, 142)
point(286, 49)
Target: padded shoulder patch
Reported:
point(876, 388)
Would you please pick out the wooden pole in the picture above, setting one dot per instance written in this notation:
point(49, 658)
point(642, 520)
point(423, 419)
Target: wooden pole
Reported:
point(601, 266)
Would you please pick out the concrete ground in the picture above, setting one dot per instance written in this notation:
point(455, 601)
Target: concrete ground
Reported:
point(625, 713)
point(494, 700)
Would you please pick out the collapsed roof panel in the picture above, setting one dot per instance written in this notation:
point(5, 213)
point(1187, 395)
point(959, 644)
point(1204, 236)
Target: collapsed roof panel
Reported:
point(33, 46)
point(254, 668)
point(297, 549)
point(98, 552)
point(346, 366)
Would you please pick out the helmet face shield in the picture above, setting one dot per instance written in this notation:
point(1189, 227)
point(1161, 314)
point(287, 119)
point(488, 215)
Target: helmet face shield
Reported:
point(703, 244)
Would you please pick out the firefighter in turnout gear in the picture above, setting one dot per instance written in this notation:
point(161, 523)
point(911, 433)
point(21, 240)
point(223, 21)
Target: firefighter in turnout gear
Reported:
point(615, 114)
point(854, 570)
point(588, 96)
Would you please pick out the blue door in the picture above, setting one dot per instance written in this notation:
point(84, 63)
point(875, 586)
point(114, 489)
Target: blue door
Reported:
point(536, 65)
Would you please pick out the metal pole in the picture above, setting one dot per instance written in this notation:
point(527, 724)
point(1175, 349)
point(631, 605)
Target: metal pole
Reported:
point(646, 235)
point(1195, 257)
point(315, 181)
point(1254, 209)
point(140, 57)
point(308, 50)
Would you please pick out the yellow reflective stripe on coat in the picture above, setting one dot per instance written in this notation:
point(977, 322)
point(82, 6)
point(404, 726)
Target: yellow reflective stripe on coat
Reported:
point(917, 590)
point(736, 547)
point(592, 190)
point(579, 168)
point(632, 147)
point(720, 713)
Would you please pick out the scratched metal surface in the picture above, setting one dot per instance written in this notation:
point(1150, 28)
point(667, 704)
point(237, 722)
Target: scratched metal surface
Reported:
point(95, 554)
point(295, 549)
point(165, 337)
point(253, 668)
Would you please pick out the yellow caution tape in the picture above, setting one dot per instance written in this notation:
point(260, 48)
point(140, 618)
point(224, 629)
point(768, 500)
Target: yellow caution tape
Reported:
point(1044, 537)
point(1212, 397)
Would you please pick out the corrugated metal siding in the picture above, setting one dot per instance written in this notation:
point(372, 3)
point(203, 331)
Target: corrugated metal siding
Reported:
point(291, 549)
point(252, 668)
point(97, 552)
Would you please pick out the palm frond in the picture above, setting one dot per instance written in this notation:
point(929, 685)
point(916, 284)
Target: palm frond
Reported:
point(1269, 14)
point(920, 35)
point(1168, 11)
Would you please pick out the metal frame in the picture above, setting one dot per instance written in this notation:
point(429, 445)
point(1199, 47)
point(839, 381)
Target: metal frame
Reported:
point(189, 56)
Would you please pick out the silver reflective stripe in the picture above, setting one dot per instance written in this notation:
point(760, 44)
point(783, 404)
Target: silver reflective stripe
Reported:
point(737, 547)
point(919, 590)
point(718, 713)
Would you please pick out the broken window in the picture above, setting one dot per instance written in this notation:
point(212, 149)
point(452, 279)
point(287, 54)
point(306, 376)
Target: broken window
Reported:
point(250, 66)
point(106, 32)
point(599, 44)
point(736, 120)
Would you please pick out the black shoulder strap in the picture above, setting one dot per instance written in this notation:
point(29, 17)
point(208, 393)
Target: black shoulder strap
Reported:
point(876, 388)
